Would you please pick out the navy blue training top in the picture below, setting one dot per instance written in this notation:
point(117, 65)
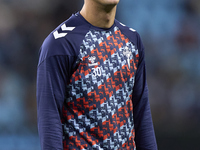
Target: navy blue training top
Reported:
point(91, 89)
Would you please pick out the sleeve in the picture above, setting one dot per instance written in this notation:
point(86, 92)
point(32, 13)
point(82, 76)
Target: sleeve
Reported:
point(52, 77)
point(144, 130)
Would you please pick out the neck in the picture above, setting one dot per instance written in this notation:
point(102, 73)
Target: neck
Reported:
point(99, 15)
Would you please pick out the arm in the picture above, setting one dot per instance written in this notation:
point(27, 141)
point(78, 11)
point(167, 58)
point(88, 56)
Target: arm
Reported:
point(51, 82)
point(144, 131)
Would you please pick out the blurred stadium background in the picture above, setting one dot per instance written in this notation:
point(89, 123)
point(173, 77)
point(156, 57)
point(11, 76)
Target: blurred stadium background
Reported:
point(170, 31)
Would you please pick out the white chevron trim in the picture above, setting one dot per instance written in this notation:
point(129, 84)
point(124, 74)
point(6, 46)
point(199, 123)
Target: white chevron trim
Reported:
point(132, 29)
point(64, 28)
point(58, 35)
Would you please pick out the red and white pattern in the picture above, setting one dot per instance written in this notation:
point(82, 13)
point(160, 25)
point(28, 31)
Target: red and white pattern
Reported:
point(98, 111)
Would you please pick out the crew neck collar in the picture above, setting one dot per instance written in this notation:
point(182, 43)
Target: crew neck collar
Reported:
point(92, 26)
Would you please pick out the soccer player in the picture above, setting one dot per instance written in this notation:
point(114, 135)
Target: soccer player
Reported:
point(91, 84)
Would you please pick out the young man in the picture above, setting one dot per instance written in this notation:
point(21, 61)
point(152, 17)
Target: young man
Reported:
point(91, 84)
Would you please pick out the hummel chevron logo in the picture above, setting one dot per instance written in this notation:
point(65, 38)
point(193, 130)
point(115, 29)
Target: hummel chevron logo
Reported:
point(64, 28)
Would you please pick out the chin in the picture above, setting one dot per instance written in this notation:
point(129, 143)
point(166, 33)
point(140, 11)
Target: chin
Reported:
point(109, 2)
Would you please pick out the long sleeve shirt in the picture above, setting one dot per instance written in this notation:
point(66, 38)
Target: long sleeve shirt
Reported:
point(91, 89)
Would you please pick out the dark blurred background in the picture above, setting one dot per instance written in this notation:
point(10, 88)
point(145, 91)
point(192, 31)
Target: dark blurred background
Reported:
point(170, 31)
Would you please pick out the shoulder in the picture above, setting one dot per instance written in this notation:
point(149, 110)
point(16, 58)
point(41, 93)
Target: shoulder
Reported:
point(131, 34)
point(65, 39)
